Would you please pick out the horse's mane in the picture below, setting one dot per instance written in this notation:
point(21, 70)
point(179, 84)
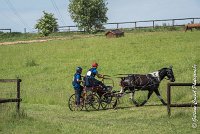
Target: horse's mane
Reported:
point(164, 68)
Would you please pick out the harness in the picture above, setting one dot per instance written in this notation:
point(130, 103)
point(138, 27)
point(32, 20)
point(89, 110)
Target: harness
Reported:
point(156, 75)
point(136, 81)
point(144, 82)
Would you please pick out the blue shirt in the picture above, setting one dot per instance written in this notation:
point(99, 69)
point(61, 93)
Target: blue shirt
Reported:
point(76, 84)
point(92, 72)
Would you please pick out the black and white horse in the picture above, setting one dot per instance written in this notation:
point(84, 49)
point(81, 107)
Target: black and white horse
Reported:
point(149, 82)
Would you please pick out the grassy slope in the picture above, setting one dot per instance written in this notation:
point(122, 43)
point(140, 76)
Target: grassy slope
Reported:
point(47, 68)
point(13, 37)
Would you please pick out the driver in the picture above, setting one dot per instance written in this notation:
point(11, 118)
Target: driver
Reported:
point(90, 77)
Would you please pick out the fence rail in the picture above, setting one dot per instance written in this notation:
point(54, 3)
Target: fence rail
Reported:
point(169, 105)
point(6, 30)
point(135, 24)
point(17, 99)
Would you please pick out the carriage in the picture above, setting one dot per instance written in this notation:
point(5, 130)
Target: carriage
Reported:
point(94, 98)
point(91, 98)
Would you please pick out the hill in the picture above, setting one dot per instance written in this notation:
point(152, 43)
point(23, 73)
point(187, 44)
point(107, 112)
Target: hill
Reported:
point(46, 69)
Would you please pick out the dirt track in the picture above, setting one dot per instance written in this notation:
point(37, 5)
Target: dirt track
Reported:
point(22, 42)
point(43, 40)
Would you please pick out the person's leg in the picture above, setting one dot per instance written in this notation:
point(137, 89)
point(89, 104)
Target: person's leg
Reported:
point(97, 83)
point(87, 81)
point(81, 91)
point(78, 94)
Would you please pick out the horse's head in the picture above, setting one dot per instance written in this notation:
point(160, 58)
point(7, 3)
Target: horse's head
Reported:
point(167, 72)
point(170, 74)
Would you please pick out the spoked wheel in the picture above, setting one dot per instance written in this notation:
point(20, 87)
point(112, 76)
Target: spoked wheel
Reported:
point(108, 101)
point(92, 102)
point(73, 105)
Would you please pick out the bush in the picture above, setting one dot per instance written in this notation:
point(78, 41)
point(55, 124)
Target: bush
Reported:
point(30, 63)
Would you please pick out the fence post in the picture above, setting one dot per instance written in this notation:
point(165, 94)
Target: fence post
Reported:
point(168, 99)
point(173, 21)
point(193, 21)
point(135, 25)
point(18, 94)
point(153, 24)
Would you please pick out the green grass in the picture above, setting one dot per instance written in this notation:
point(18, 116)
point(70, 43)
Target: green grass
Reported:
point(16, 36)
point(46, 70)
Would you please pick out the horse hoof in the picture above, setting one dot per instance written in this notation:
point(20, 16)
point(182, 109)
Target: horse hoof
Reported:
point(137, 105)
point(165, 104)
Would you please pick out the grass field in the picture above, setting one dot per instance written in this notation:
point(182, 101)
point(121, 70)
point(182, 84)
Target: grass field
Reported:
point(46, 70)
point(15, 36)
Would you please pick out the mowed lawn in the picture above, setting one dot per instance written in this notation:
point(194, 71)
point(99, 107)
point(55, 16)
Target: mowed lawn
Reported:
point(46, 70)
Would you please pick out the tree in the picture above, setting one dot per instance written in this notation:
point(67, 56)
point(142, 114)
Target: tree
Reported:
point(47, 24)
point(88, 14)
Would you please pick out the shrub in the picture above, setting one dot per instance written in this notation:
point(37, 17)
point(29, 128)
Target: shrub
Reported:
point(30, 63)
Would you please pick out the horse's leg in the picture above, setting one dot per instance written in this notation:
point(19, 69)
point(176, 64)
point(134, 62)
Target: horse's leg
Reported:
point(186, 28)
point(132, 93)
point(132, 98)
point(159, 96)
point(145, 101)
point(122, 90)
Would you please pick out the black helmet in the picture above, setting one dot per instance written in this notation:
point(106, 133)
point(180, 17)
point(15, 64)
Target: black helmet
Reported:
point(79, 69)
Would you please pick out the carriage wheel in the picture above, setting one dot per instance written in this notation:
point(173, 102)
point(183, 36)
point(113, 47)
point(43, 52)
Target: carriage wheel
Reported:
point(109, 101)
point(92, 102)
point(72, 103)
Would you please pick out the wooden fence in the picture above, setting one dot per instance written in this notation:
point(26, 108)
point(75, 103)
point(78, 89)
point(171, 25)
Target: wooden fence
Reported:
point(135, 24)
point(17, 99)
point(6, 30)
point(169, 105)
point(153, 22)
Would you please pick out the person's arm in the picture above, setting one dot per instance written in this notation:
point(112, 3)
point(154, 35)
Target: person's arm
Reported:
point(97, 74)
point(100, 76)
point(78, 78)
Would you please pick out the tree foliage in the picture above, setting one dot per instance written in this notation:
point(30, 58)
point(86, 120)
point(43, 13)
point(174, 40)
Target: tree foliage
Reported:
point(47, 24)
point(88, 14)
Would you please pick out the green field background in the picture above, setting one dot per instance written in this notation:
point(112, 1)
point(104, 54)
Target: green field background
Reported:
point(47, 68)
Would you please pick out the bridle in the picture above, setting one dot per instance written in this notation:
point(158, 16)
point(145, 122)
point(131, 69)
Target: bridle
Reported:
point(169, 75)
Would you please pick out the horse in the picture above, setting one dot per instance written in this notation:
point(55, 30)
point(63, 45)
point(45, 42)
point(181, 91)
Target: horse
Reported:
point(143, 82)
point(190, 26)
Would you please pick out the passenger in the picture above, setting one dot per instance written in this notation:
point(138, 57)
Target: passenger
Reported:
point(77, 84)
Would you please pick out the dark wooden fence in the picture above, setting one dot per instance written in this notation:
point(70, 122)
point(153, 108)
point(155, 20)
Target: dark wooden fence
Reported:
point(169, 105)
point(138, 24)
point(153, 22)
point(17, 99)
point(6, 30)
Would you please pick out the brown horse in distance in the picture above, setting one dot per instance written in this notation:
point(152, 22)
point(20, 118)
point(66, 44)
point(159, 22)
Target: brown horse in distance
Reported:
point(190, 26)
